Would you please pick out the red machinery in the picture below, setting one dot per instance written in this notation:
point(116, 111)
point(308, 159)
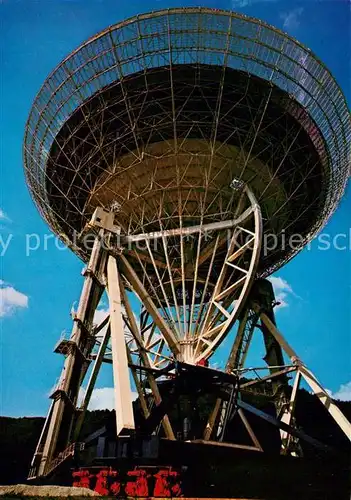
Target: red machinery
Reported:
point(164, 482)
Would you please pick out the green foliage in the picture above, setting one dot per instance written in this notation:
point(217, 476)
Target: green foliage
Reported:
point(18, 439)
point(19, 436)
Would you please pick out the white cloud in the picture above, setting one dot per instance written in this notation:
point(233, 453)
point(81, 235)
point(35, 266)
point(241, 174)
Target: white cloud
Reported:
point(282, 290)
point(102, 398)
point(3, 216)
point(240, 3)
point(237, 4)
point(11, 299)
point(291, 20)
point(343, 393)
point(100, 315)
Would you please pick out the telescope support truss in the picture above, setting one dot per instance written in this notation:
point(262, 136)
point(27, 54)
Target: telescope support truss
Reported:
point(150, 345)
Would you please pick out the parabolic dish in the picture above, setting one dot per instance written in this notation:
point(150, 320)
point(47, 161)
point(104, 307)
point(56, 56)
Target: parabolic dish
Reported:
point(159, 114)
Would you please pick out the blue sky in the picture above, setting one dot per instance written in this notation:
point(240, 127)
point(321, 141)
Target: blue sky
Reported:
point(37, 290)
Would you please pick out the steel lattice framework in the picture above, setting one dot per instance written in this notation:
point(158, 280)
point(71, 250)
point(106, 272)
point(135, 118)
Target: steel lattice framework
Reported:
point(180, 140)
point(166, 109)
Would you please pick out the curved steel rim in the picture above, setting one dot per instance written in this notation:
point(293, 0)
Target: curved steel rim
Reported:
point(343, 126)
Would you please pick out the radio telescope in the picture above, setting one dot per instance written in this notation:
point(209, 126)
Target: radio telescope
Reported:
point(189, 145)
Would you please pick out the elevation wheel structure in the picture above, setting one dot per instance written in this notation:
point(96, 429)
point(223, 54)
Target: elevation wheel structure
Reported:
point(192, 144)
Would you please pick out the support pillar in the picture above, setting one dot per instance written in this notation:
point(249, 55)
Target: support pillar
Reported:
point(122, 390)
point(316, 387)
point(56, 436)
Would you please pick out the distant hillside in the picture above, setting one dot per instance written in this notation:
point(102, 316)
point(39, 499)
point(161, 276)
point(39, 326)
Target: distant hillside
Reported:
point(19, 436)
point(18, 439)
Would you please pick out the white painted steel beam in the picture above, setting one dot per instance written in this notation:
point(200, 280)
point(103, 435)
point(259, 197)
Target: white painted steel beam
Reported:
point(185, 231)
point(315, 385)
point(122, 389)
